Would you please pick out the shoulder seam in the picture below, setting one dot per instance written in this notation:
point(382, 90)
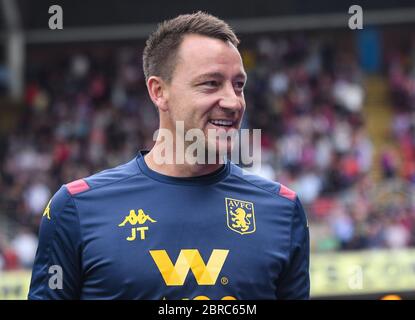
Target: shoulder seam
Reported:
point(57, 217)
point(292, 232)
point(262, 188)
point(70, 197)
point(74, 184)
point(299, 209)
point(104, 185)
point(57, 225)
point(288, 262)
point(78, 216)
point(292, 226)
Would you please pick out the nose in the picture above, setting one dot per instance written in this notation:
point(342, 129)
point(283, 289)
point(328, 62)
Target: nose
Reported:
point(230, 100)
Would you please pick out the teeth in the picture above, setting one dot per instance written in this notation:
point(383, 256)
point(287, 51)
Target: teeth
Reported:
point(221, 122)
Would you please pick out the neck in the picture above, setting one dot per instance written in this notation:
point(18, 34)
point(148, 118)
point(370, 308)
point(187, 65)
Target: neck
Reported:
point(182, 169)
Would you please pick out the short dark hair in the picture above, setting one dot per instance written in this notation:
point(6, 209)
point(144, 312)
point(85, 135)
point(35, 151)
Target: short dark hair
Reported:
point(160, 52)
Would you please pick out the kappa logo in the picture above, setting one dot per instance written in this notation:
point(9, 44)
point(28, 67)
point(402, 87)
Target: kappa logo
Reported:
point(133, 219)
point(46, 213)
point(240, 216)
point(189, 259)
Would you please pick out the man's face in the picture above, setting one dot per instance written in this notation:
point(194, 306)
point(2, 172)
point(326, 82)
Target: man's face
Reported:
point(206, 89)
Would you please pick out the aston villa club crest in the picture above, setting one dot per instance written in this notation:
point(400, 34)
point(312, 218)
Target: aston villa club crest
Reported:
point(240, 215)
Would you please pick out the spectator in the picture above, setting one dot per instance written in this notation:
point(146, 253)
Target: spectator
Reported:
point(25, 244)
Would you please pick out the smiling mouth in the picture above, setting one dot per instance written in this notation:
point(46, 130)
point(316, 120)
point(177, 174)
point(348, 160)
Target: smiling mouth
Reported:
point(223, 123)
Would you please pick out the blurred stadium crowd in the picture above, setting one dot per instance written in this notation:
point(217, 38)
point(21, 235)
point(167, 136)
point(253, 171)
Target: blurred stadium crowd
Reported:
point(86, 109)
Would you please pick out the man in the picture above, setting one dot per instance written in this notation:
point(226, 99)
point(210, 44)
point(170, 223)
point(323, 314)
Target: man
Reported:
point(151, 229)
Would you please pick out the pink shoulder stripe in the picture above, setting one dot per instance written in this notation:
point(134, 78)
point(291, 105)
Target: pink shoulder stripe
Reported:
point(287, 193)
point(77, 186)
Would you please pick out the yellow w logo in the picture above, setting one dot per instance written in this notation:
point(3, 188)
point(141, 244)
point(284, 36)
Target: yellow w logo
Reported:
point(174, 275)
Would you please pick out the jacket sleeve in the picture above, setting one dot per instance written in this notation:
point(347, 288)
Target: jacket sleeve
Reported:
point(57, 269)
point(295, 280)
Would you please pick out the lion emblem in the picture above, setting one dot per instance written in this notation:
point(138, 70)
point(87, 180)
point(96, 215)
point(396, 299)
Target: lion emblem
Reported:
point(241, 219)
point(240, 216)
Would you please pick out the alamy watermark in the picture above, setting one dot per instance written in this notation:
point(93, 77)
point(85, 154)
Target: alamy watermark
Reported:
point(56, 278)
point(193, 146)
point(56, 20)
point(356, 20)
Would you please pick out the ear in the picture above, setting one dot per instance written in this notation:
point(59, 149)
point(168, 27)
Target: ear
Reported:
point(158, 92)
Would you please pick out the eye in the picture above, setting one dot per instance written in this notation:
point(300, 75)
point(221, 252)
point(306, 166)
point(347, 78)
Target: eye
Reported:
point(211, 83)
point(240, 85)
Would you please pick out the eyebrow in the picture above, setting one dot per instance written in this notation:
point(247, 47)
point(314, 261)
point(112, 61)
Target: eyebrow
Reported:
point(218, 75)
